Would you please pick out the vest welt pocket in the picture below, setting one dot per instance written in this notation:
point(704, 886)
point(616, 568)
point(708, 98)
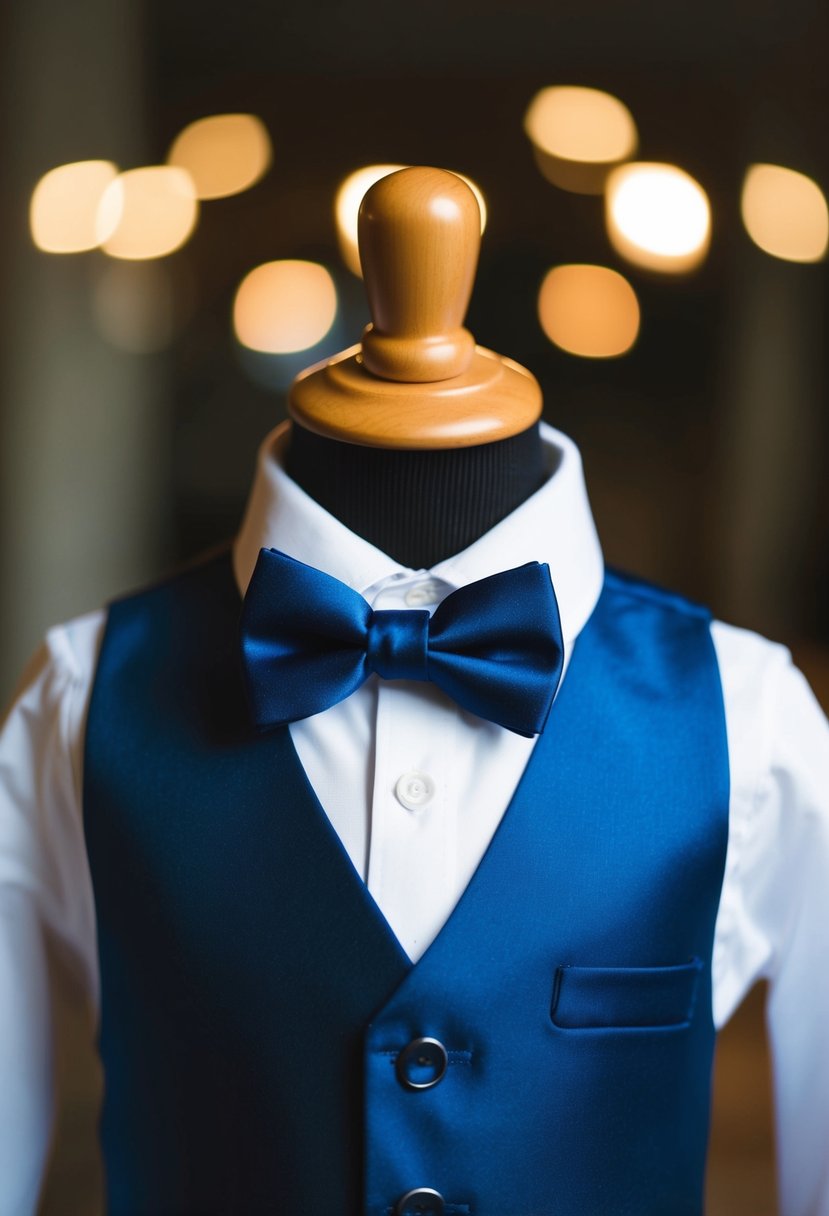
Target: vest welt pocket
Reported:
point(625, 998)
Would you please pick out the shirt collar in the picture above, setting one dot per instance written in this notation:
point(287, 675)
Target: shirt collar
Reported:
point(554, 525)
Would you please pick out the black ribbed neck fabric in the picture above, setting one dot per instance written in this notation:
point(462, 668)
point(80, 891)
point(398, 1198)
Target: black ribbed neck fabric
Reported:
point(418, 506)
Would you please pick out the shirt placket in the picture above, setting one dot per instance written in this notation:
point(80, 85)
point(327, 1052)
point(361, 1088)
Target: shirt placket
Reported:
point(412, 854)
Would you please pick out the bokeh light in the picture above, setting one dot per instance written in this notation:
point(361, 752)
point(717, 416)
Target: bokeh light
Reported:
point(658, 216)
point(347, 207)
point(64, 206)
point(785, 213)
point(223, 154)
point(147, 212)
point(133, 306)
point(284, 306)
point(590, 311)
point(578, 134)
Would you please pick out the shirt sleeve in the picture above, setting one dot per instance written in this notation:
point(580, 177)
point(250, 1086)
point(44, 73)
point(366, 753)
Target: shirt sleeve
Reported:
point(774, 913)
point(46, 903)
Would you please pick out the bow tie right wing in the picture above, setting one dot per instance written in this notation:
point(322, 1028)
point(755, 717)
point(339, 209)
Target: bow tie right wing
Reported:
point(303, 640)
point(507, 667)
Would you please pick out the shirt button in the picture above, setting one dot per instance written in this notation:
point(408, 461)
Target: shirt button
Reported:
point(414, 790)
point(427, 592)
point(418, 1203)
point(422, 1064)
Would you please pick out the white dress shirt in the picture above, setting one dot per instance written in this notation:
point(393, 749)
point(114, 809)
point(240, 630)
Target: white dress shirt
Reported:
point(415, 788)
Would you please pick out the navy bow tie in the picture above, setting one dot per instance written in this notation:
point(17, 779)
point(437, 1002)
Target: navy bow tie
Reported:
point(309, 641)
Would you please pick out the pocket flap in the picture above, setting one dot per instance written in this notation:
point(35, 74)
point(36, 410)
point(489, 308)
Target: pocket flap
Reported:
point(625, 997)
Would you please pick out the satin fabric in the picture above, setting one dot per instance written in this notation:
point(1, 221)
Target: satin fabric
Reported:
point(254, 1000)
point(309, 641)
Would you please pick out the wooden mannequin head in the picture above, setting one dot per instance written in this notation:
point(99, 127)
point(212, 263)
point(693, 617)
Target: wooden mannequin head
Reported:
point(417, 381)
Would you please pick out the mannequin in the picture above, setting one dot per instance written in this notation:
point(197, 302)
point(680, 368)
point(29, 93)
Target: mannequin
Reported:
point(418, 440)
point(268, 1042)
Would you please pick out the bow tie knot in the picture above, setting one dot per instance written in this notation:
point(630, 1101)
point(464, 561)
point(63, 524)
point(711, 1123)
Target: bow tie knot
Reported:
point(397, 644)
point(309, 641)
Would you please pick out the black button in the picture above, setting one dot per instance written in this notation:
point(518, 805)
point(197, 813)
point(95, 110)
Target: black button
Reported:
point(421, 1202)
point(422, 1064)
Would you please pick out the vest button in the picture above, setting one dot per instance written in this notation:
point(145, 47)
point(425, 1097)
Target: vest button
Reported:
point(421, 1065)
point(420, 1202)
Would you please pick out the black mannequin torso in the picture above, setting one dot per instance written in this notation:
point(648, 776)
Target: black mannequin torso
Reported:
point(419, 506)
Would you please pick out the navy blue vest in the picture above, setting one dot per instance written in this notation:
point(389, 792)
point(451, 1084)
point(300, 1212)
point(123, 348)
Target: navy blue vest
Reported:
point(256, 1007)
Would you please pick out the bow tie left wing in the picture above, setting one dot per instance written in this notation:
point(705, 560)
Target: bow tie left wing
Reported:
point(303, 640)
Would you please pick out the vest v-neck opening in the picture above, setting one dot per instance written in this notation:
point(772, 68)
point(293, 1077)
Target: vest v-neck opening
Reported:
point(519, 804)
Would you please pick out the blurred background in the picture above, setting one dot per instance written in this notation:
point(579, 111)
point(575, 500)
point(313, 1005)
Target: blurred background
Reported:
point(177, 210)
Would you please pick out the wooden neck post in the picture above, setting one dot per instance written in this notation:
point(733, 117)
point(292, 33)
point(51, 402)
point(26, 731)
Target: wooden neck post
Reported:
point(418, 381)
